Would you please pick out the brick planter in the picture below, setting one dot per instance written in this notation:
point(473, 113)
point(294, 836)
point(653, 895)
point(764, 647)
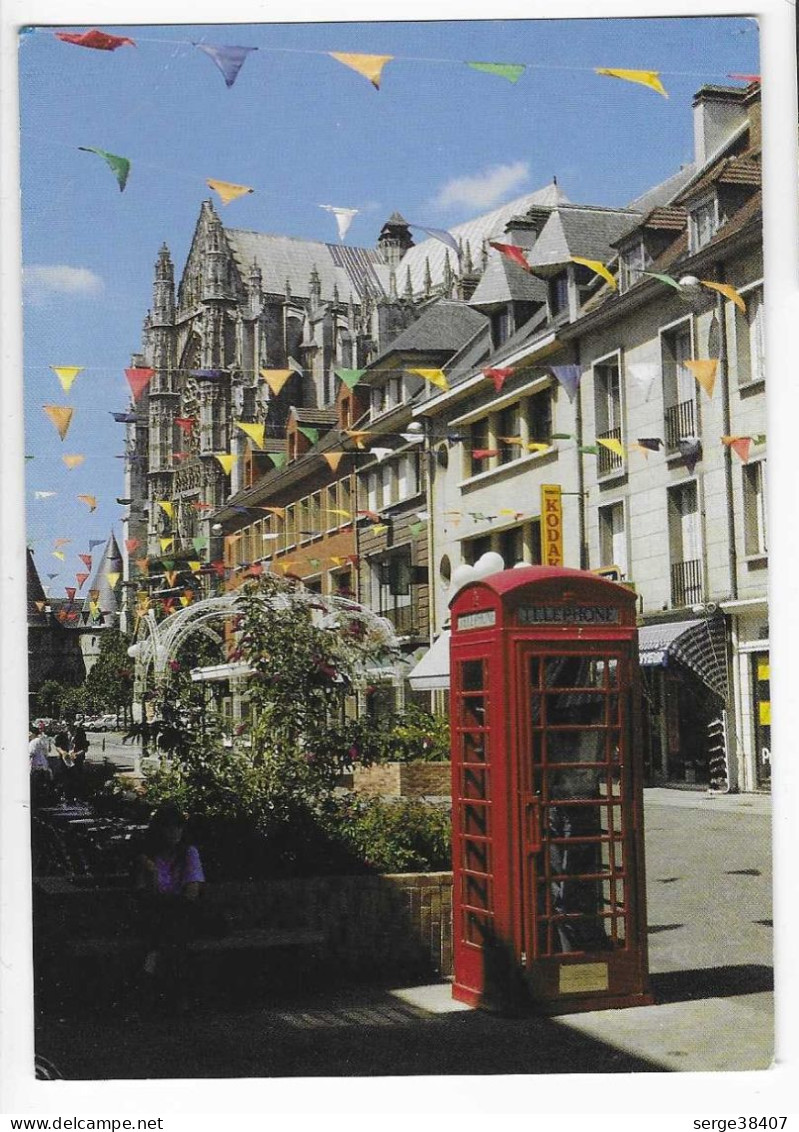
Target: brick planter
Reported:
point(404, 780)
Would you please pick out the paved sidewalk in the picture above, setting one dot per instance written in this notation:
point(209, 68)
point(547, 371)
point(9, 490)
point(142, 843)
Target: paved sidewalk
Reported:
point(710, 938)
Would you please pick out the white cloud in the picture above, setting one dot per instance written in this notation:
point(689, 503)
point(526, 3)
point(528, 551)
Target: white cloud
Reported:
point(43, 281)
point(484, 189)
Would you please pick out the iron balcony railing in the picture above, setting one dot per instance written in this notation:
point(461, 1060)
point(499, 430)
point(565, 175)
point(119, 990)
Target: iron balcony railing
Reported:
point(404, 618)
point(680, 421)
point(608, 461)
point(686, 583)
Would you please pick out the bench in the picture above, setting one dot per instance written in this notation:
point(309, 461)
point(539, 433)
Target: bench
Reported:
point(246, 939)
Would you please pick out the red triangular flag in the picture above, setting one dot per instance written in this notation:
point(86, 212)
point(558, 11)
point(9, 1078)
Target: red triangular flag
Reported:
point(498, 376)
point(512, 252)
point(186, 423)
point(131, 544)
point(81, 578)
point(99, 40)
point(138, 380)
point(86, 559)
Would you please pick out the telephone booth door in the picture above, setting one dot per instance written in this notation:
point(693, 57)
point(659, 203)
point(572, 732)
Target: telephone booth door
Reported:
point(579, 924)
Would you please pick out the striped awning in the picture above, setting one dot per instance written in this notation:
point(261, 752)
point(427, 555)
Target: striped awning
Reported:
point(699, 645)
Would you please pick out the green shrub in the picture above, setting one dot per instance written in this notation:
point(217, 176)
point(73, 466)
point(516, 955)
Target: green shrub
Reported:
point(393, 836)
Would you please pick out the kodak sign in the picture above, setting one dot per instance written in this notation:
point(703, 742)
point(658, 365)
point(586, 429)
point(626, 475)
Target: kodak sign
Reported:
point(551, 525)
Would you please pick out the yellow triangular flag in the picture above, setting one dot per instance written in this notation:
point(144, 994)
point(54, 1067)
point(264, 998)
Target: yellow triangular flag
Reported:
point(194, 566)
point(58, 554)
point(646, 78)
point(113, 577)
point(357, 436)
point(185, 600)
point(66, 375)
point(166, 507)
point(728, 290)
point(61, 416)
point(276, 378)
point(226, 461)
point(254, 431)
point(89, 500)
point(705, 373)
point(597, 266)
point(434, 376)
point(340, 511)
point(333, 459)
point(370, 66)
point(166, 543)
point(228, 191)
point(510, 439)
point(171, 577)
point(538, 446)
point(279, 511)
point(613, 446)
point(73, 461)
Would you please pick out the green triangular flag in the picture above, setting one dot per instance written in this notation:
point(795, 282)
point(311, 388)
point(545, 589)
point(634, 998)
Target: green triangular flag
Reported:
point(277, 458)
point(200, 542)
point(663, 279)
point(350, 377)
point(760, 438)
point(416, 529)
point(562, 436)
point(510, 71)
point(311, 433)
point(587, 449)
point(168, 563)
point(119, 166)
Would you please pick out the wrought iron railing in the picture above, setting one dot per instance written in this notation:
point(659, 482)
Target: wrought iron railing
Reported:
point(686, 583)
point(404, 618)
point(680, 422)
point(608, 461)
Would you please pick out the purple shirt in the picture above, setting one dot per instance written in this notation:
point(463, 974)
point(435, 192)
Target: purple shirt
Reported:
point(171, 879)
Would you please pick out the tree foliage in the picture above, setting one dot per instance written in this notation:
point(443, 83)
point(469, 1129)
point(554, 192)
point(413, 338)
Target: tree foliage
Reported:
point(109, 685)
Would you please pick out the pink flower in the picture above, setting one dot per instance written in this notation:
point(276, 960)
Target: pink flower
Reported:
point(174, 665)
point(353, 752)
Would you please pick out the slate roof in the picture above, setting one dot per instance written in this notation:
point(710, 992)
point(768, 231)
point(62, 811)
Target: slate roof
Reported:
point(35, 591)
point(353, 270)
point(444, 327)
point(504, 281)
point(314, 418)
point(741, 169)
point(579, 230)
point(110, 562)
point(489, 226)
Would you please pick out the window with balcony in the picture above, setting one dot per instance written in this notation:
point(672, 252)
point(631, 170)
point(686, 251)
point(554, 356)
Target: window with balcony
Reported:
point(754, 500)
point(613, 537)
point(703, 223)
point(749, 338)
point(679, 385)
point(608, 415)
point(685, 545)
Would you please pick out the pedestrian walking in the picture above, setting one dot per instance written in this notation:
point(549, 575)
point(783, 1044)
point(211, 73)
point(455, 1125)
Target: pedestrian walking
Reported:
point(40, 772)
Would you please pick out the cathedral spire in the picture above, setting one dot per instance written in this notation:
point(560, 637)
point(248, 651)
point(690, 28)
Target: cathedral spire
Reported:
point(164, 289)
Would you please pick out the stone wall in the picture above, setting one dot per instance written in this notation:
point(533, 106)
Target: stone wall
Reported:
point(404, 779)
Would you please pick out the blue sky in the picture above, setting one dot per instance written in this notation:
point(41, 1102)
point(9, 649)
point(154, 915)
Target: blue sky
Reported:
point(439, 142)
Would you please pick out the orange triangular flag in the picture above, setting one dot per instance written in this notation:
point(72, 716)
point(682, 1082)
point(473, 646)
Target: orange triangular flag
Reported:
point(254, 431)
point(171, 577)
point(705, 372)
point(228, 191)
point(143, 564)
point(61, 416)
point(276, 378)
point(90, 501)
point(73, 461)
point(66, 375)
point(333, 459)
point(138, 380)
point(226, 460)
point(357, 436)
point(40, 605)
point(131, 544)
point(728, 290)
point(370, 66)
point(279, 511)
point(740, 445)
point(81, 578)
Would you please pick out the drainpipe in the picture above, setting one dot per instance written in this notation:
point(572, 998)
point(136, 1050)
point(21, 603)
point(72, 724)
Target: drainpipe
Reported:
point(578, 424)
point(724, 375)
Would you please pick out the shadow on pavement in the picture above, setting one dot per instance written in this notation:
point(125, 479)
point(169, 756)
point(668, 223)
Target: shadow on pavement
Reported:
point(712, 982)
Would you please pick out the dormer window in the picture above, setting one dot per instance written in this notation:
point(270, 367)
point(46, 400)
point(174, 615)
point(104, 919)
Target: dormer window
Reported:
point(500, 327)
point(703, 222)
point(632, 262)
point(559, 294)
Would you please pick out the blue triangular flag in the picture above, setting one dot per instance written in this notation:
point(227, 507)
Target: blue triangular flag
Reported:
point(569, 377)
point(439, 234)
point(229, 60)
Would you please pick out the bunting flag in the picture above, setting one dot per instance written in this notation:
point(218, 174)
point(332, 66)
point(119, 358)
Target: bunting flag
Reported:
point(168, 604)
point(498, 376)
point(371, 515)
point(90, 501)
point(81, 578)
point(166, 543)
point(510, 71)
point(86, 559)
point(70, 592)
point(740, 445)
point(341, 512)
point(226, 461)
point(511, 439)
point(119, 166)
point(51, 576)
point(185, 423)
point(634, 446)
point(645, 78)
point(198, 506)
point(138, 380)
point(61, 542)
point(44, 494)
point(614, 446)
point(229, 60)
point(167, 563)
point(199, 543)
point(61, 416)
point(98, 40)
point(256, 432)
point(441, 234)
point(166, 506)
point(94, 596)
point(295, 366)
point(370, 66)
point(58, 554)
point(569, 377)
point(597, 267)
point(312, 434)
point(276, 378)
point(434, 376)
point(538, 446)
point(667, 279)
point(66, 375)
point(588, 450)
point(125, 418)
point(227, 190)
point(357, 436)
point(171, 577)
point(206, 374)
point(379, 529)
point(144, 565)
point(416, 529)
point(350, 377)
point(277, 458)
point(691, 449)
point(514, 253)
point(333, 459)
point(93, 542)
point(643, 375)
point(194, 565)
point(186, 597)
point(131, 544)
point(744, 78)
point(705, 372)
point(113, 577)
point(484, 453)
point(727, 290)
point(40, 605)
point(381, 453)
point(344, 217)
point(653, 443)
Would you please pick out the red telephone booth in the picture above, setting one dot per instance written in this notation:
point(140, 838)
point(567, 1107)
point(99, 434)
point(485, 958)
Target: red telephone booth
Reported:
point(548, 856)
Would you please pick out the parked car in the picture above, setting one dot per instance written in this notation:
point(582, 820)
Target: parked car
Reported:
point(109, 722)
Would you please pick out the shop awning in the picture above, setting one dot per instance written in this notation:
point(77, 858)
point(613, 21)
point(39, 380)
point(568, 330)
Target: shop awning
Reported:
point(432, 671)
point(699, 645)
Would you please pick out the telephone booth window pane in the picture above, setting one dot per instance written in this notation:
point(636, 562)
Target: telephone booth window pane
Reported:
point(472, 675)
point(474, 783)
point(475, 820)
point(575, 707)
point(477, 856)
point(473, 711)
point(476, 892)
point(475, 747)
point(477, 928)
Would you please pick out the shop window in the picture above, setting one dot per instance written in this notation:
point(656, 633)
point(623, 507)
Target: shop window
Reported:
point(511, 545)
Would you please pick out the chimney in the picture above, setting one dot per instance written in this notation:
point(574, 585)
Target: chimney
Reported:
point(718, 112)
